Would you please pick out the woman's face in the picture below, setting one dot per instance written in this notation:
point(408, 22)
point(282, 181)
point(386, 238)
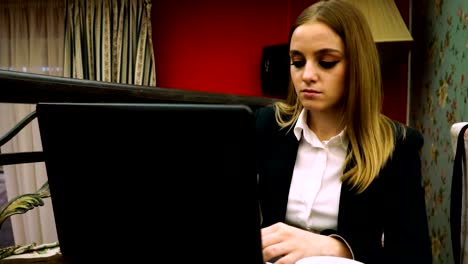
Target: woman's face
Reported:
point(318, 67)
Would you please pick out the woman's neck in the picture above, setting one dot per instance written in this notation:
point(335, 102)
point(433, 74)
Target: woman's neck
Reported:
point(325, 125)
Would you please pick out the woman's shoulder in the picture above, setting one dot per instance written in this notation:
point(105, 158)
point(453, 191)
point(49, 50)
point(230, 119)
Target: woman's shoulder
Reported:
point(265, 115)
point(266, 122)
point(408, 136)
point(265, 111)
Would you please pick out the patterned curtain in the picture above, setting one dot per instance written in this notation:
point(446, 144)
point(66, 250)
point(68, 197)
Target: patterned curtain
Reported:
point(31, 40)
point(110, 41)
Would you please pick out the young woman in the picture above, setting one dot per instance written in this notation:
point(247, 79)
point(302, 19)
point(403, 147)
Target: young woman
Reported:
point(336, 176)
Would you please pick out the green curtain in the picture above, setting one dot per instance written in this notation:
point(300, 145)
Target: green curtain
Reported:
point(109, 40)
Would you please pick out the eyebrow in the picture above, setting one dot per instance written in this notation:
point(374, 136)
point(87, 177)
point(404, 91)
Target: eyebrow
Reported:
point(319, 52)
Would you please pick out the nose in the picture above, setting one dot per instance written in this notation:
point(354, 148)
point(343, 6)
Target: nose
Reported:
point(310, 72)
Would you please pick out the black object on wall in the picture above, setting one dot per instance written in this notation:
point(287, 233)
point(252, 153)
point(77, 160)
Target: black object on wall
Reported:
point(275, 70)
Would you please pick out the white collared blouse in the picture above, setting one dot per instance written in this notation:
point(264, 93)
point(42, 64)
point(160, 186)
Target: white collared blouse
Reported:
point(316, 186)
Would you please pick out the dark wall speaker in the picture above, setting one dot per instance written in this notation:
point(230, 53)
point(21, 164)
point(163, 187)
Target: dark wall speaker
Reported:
point(275, 70)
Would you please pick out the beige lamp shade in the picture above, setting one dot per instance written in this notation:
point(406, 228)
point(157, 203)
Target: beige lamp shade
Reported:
point(384, 19)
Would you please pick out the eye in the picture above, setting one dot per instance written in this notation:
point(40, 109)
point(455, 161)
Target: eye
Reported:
point(298, 63)
point(327, 64)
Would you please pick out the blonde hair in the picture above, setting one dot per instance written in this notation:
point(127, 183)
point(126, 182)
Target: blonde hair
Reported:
point(370, 133)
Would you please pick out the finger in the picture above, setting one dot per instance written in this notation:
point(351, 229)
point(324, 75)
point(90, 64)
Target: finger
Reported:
point(270, 238)
point(270, 229)
point(287, 259)
point(272, 235)
point(273, 252)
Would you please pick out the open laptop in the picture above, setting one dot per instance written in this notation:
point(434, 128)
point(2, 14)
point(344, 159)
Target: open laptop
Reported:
point(144, 183)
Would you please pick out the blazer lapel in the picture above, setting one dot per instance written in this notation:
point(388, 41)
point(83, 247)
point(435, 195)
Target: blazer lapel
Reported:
point(280, 169)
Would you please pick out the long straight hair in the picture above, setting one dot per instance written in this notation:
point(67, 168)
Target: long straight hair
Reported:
point(370, 133)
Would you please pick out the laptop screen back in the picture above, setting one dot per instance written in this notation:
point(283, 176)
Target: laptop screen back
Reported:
point(145, 182)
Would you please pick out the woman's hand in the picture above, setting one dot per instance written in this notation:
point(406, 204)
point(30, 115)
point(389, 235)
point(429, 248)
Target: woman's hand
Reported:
point(285, 244)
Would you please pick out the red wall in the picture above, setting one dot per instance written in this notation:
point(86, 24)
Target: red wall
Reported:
point(213, 45)
point(216, 46)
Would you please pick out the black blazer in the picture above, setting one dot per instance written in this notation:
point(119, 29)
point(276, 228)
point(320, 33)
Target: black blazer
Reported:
point(393, 203)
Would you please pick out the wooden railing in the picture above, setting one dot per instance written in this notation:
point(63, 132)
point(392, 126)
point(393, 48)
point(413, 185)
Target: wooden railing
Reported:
point(19, 87)
point(27, 88)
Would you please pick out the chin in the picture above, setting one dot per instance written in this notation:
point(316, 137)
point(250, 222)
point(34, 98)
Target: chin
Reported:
point(314, 107)
point(319, 106)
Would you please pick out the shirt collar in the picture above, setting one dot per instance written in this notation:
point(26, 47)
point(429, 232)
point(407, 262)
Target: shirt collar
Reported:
point(302, 129)
point(301, 124)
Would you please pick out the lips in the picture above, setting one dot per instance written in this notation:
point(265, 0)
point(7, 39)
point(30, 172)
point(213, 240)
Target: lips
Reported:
point(310, 94)
point(310, 91)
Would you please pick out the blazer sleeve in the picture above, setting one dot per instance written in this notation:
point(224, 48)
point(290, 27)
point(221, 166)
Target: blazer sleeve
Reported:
point(406, 232)
point(392, 206)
